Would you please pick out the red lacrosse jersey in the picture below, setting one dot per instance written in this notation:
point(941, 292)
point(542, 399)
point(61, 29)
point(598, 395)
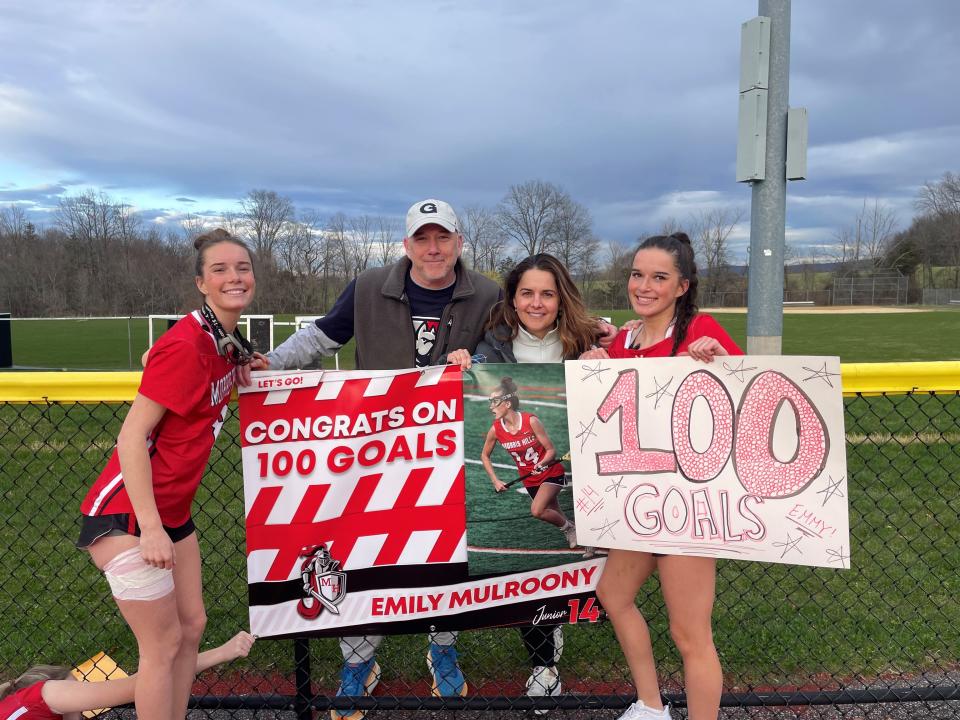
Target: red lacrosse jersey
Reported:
point(186, 375)
point(701, 326)
point(526, 450)
point(27, 704)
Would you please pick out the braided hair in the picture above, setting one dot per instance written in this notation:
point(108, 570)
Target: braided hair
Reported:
point(678, 245)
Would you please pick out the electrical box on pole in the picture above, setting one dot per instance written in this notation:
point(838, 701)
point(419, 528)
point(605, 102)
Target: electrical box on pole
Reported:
point(797, 144)
point(755, 54)
point(754, 83)
point(752, 136)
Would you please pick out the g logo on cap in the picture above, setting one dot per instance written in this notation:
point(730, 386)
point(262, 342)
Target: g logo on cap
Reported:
point(428, 208)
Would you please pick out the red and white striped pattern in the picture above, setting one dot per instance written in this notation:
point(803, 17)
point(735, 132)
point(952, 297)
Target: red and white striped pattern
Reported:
point(405, 512)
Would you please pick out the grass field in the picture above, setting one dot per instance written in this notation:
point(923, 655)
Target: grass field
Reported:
point(895, 611)
point(867, 337)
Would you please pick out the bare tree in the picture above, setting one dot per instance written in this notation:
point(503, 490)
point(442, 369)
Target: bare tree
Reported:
point(361, 240)
point(876, 225)
point(13, 222)
point(18, 256)
point(193, 226)
point(528, 213)
point(588, 269)
point(339, 234)
point(619, 263)
point(941, 197)
point(386, 245)
point(88, 219)
point(129, 226)
point(572, 233)
point(711, 235)
point(867, 238)
point(266, 215)
point(482, 236)
point(670, 225)
point(940, 203)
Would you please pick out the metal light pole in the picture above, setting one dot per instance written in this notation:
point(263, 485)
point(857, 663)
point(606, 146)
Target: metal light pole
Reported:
point(769, 200)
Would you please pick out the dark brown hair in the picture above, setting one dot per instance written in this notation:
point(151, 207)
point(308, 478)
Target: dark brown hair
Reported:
point(215, 237)
point(577, 330)
point(508, 387)
point(678, 245)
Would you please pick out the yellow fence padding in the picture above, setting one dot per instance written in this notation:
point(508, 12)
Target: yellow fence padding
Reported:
point(26, 387)
point(864, 378)
point(900, 378)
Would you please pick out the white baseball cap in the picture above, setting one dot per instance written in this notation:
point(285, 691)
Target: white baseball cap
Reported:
point(430, 211)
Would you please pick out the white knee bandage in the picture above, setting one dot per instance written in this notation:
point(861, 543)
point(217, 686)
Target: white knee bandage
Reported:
point(131, 578)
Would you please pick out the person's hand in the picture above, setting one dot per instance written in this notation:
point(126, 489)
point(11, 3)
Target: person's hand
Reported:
point(499, 486)
point(595, 354)
point(607, 333)
point(540, 468)
point(460, 357)
point(156, 548)
point(705, 349)
point(259, 362)
point(632, 324)
point(238, 646)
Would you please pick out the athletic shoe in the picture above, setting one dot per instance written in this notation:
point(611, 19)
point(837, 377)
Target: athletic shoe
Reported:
point(557, 643)
point(356, 680)
point(570, 531)
point(639, 711)
point(589, 552)
point(448, 681)
point(543, 682)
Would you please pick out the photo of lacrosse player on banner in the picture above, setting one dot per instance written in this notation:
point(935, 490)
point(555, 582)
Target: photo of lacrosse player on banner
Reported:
point(519, 509)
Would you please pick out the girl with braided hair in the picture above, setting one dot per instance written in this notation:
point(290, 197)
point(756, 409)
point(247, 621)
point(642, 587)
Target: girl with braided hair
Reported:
point(663, 292)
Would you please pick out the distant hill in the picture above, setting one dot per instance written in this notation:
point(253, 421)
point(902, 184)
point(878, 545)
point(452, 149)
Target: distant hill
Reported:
point(793, 267)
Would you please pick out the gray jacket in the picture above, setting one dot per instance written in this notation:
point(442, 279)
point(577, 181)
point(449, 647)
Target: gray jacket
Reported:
point(379, 316)
point(494, 349)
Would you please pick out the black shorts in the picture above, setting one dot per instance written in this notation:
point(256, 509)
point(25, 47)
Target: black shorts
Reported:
point(561, 480)
point(95, 527)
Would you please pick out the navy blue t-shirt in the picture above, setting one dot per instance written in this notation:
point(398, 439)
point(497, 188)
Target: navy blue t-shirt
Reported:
point(426, 309)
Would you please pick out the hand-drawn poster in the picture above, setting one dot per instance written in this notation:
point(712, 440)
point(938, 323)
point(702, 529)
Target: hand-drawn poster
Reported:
point(741, 458)
point(355, 511)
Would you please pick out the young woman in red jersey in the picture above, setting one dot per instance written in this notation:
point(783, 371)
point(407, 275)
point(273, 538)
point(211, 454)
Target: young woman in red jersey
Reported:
point(137, 524)
point(663, 292)
point(523, 436)
point(51, 692)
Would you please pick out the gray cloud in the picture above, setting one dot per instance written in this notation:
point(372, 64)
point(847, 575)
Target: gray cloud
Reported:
point(39, 195)
point(366, 106)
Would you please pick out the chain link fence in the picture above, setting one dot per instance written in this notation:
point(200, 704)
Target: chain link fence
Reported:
point(880, 640)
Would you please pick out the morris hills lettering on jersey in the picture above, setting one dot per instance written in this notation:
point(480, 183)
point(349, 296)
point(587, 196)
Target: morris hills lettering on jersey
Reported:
point(220, 389)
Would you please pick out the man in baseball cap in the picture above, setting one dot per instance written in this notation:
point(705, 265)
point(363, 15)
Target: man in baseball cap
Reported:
point(425, 309)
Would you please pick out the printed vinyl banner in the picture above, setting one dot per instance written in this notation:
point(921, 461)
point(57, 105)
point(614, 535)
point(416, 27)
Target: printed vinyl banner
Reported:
point(741, 458)
point(355, 511)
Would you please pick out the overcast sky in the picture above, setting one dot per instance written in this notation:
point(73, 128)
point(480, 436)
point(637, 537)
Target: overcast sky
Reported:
point(180, 106)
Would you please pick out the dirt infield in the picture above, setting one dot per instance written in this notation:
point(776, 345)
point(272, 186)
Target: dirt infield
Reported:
point(828, 310)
